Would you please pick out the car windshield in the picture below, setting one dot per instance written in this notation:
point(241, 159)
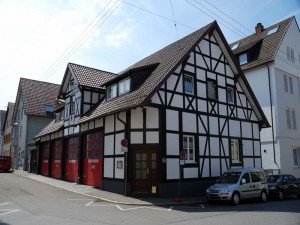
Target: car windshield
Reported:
point(229, 178)
point(273, 179)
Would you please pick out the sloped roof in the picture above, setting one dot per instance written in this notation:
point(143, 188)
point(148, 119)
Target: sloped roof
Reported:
point(9, 114)
point(50, 128)
point(167, 60)
point(269, 47)
point(35, 95)
point(86, 76)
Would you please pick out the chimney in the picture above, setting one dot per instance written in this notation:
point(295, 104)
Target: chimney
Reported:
point(259, 28)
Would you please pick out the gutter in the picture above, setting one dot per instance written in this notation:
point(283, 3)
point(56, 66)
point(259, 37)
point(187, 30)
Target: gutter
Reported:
point(272, 121)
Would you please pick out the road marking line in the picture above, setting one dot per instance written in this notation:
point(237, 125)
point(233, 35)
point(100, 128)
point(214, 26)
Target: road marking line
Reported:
point(5, 203)
point(11, 211)
point(143, 207)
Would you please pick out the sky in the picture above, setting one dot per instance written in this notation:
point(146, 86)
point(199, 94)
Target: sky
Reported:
point(39, 37)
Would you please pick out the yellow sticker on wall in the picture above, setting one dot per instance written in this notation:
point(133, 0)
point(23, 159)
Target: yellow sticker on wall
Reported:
point(153, 191)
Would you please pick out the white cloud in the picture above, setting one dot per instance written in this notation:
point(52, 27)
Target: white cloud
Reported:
point(119, 38)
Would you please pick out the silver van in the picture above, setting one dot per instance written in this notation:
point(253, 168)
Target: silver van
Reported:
point(237, 184)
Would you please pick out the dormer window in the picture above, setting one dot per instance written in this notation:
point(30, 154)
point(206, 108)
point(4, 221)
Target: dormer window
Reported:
point(49, 109)
point(112, 92)
point(124, 86)
point(118, 89)
point(243, 59)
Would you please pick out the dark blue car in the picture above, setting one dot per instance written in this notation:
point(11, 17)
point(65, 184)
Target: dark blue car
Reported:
point(283, 185)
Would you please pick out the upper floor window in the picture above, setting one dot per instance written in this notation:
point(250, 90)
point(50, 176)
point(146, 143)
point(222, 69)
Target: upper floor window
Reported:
point(118, 89)
point(72, 104)
point(188, 86)
point(243, 59)
point(290, 54)
point(230, 95)
point(112, 91)
point(288, 84)
point(274, 30)
point(124, 86)
point(189, 148)
point(211, 89)
point(291, 119)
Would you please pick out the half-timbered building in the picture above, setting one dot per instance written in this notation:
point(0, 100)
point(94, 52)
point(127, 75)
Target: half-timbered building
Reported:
point(183, 114)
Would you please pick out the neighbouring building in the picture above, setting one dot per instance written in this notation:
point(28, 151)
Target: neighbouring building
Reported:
point(7, 131)
point(270, 59)
point(185, 113)
point(2, 118)
point(34, 109)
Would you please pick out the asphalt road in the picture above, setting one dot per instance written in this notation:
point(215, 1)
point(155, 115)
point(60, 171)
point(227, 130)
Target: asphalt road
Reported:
point(24, 201)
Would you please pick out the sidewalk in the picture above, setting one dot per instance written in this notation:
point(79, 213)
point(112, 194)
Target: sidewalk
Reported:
point(106, 196)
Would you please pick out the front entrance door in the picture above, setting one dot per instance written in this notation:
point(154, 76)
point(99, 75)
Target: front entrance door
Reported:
point(144, 171)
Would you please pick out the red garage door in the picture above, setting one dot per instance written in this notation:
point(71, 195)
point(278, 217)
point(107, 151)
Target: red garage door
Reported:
point(56, 159)
point(45, 159)
point(92, 161)
point(71, 164)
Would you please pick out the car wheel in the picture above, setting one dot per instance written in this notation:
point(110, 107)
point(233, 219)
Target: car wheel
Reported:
point(263, 196)
point(280, 195)
point(235, 198)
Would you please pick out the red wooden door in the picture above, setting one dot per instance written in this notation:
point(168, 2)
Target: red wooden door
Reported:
point(71, 161)
point(56, 159)
point(45, 159)
point(92, 160)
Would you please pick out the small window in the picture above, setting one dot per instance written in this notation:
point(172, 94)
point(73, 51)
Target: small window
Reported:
point(285, 81)
point(243, 59)
point(211, 89)
point(188, 84)
point(112, 91)
point(290, 54)
point(296, 154)
point(235, 151)
point(72, 105)
point(274, 30)
point(49, 108)
point(230, 95)
point(235, 46)
point(293, 119)
point(124, 86)
point(291, 85)
point(189, 148)
point(288, 119)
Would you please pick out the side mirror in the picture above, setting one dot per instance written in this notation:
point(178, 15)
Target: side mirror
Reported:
point(243, 181)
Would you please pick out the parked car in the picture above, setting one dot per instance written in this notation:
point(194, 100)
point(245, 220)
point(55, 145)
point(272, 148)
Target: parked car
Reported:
point(5, 163)
point(237, 184)
point(283, 185)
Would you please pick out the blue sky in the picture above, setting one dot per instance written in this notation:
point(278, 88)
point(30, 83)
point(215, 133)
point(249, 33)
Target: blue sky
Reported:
point(38, 38)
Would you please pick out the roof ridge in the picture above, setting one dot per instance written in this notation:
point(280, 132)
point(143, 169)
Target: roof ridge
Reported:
point(46, 82)
point(91, 68)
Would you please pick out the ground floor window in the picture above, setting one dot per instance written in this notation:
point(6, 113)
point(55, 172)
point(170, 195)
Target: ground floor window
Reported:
point(235, 151)
point(296, 153)
point(189, 148)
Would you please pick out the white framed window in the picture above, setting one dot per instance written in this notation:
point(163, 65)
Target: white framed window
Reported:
point(243, 59)
point(188, 84)
point(235, 151)
point(291, 119)
point(296, 155)
point(211, 89)
point(291, 85)
point(290, 54)
point(288, 119)
point(285, 81)
point(230, 95)
point(288, 84)
point(189, 148)
point(124, 86)
point(112, 91)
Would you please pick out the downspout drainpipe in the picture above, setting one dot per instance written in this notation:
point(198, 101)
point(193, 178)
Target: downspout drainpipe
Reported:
point(125, 155)
point(272, 121)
